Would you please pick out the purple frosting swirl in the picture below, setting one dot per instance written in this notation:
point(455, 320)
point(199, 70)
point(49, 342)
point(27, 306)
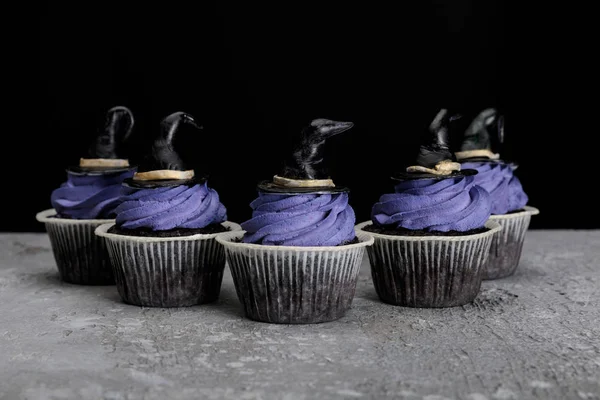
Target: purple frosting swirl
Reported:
point(300, 220)
point(165, 208)
point(504, 187)
point(89, 196)
point(453, 204)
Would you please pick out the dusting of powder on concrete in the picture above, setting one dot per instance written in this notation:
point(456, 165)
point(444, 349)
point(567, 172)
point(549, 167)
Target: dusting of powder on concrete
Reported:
point(535, 335)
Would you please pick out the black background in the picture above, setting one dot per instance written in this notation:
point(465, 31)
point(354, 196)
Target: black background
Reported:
point(253, 75)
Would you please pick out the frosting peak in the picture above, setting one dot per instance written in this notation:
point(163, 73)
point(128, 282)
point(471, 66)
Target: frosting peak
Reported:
point(164, 208)
point(300, 220)
point(89, 196)
point(498, 179)
point(455, 204)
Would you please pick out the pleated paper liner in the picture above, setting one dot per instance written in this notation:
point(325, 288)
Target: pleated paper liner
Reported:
point(294, 284)
point(167, 271)
point(81, 257)
point(505, 252)
point(429, 271)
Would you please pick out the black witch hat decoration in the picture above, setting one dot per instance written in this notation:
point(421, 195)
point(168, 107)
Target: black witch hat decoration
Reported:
point(434, 159)
point(478, 138)
point(163, 166)
point(104, 154)
point(304, 169)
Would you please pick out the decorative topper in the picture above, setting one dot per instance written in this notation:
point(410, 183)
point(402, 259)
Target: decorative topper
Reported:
point(304, 170)
point(104, 152)
point(163, 166)
point(477, 138)
point(434, 159)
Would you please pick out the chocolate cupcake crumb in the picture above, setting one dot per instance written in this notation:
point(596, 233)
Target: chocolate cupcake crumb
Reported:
point(345, 243)
point(389, 230)
point(177, 232)
point(63, 216)
point(515, 211)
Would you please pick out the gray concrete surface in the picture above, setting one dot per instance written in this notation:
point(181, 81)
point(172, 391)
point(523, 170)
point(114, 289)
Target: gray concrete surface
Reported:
point(535, 335)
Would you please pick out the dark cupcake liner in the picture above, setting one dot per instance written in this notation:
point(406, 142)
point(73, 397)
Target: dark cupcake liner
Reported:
point(81, 257)
point(429, 271)
point(293, 284)
point(505, 251)
point(168, 271)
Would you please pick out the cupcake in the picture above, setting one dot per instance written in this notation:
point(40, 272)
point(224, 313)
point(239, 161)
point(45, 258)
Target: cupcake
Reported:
point(298, 258)
point(432, 235)
point(88, 199)
point(509, 201)
point(162, 244)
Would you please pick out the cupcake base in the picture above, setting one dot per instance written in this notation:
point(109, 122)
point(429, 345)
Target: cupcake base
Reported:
point(292, 284)
point(431, 271)
point(505, 251)
point(166, 271)
point(81, 257)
